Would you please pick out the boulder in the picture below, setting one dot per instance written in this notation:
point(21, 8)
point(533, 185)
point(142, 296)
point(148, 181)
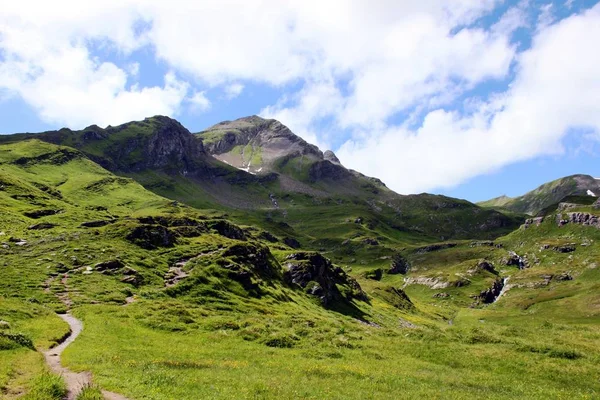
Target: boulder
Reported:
point(97, 224)
point(108, 267)
point(135, 280)
point(151, 237)
point(565, 276)
point(319, 277)
point(291, 242)
point(516, 260)
point(41, 225)
point(227, 229)
point(375, 274)
point(40, 213)
point(485, 265)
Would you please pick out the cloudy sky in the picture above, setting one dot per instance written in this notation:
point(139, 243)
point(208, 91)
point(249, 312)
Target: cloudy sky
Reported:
point(471, 98)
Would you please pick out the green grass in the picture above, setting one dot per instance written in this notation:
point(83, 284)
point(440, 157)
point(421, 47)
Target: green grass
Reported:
point(213, 335)
point(90, 393)
point(46, 386)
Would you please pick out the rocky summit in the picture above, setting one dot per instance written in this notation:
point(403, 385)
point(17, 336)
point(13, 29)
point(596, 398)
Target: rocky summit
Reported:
point(144, 261)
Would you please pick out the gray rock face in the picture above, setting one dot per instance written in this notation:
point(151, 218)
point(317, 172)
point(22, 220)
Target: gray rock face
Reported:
point(331, 157)
point(537, 221)
point(169, 146)
point(264, 141)
point(488, 296)
point(579, 218)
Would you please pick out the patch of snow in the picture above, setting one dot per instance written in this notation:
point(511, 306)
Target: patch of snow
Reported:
point(590, 193)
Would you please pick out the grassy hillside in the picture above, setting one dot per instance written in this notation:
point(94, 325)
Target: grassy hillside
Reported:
point(546, 195)
point(180, 303)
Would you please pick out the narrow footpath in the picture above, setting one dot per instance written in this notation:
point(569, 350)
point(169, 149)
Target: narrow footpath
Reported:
point(76, 381)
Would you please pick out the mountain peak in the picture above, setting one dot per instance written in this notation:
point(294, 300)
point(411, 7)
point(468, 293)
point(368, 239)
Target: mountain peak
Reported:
point(254, 144)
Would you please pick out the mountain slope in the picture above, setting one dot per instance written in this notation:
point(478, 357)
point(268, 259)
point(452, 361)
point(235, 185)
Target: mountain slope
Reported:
point(263, 146)
point(296, 181)
point(547, 194)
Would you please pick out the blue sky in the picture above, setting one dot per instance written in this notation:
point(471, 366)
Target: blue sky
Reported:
point(472, 100)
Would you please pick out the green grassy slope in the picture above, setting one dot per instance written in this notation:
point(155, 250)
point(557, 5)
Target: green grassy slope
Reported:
point(234, 327)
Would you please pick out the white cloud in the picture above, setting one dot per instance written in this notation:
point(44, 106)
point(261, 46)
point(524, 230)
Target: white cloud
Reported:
point(358, 65)
point(199, 102)
point(557, 87)
point(48, 64)
point(234, 90)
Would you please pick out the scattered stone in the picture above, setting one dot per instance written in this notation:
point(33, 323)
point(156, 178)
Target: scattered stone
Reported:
point(368, 323)
point(174, 275)
point(358, 220)
point(441, 295)
point(567, 248)
point(405, 324)
point(4, 325)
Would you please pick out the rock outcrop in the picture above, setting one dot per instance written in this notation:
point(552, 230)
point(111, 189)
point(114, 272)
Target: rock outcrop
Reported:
point(580, 218)
point(399, 265)
point(488, 296)
point(319, 277)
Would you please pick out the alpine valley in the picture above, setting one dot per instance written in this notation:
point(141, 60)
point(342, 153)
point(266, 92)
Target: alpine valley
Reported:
point(143, 261)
